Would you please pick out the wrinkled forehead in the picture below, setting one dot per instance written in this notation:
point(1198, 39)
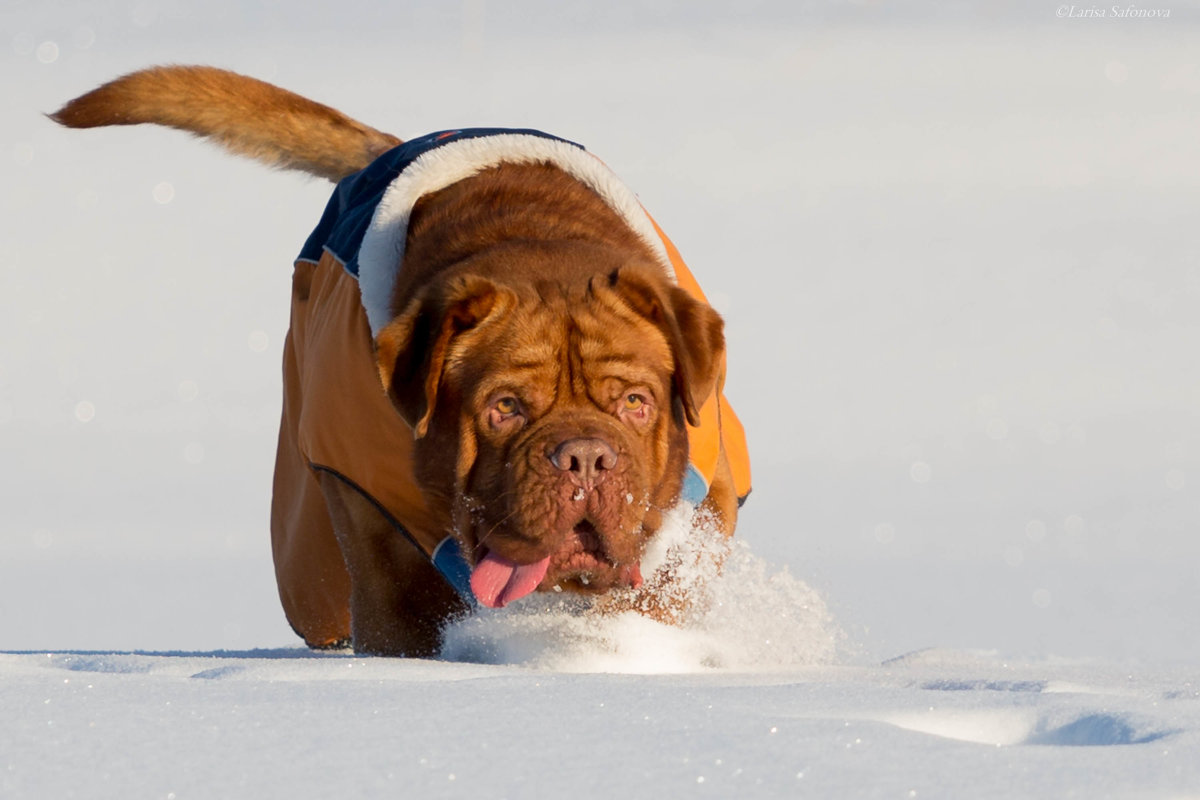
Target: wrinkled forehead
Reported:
point(546, 332)
point(611, 336)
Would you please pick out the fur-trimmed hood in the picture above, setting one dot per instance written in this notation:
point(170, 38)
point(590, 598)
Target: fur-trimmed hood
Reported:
point(365, 224)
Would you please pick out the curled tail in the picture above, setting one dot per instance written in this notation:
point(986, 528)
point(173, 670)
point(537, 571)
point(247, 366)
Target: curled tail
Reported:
point(246, 116)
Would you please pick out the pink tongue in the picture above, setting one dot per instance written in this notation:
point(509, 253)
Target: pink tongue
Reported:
point(496, 581)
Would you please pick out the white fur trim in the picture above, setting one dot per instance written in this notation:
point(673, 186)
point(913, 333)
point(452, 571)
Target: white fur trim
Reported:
point(382, 250)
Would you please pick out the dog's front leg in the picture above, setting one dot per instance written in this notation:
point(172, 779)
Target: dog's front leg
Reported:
point(398, 601)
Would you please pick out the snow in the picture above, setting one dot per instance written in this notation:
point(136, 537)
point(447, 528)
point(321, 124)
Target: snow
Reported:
point(741, 615)
point(288, 722)
point(955, 248)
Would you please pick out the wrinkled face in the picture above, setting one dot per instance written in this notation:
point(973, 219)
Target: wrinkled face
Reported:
point(551, 425)
point(566, 436)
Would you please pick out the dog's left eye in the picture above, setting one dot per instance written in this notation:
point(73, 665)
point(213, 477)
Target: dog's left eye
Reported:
point(634, 401)
point(504, 413)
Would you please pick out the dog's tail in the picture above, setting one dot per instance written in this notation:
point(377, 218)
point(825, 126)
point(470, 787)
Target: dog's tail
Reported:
point(246, 116)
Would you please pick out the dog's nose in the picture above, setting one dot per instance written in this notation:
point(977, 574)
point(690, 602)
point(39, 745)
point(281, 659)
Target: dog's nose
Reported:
point(584, 460)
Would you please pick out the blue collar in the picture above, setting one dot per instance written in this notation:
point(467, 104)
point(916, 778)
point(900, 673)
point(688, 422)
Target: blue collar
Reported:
point(448, 559)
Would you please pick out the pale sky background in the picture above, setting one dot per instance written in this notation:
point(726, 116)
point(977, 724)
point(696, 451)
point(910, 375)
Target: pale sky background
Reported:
point(956, 251)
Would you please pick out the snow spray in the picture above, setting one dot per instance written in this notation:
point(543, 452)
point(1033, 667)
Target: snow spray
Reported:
point(741, 615)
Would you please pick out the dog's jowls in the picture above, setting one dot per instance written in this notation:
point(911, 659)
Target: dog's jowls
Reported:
point(534, 389)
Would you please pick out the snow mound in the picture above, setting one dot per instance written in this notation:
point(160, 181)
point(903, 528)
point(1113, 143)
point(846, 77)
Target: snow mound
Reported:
point(1027, 726)
point(738, 613)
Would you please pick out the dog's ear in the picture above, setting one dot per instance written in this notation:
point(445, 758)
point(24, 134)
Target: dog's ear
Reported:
point(411, 350)
point(694, 331)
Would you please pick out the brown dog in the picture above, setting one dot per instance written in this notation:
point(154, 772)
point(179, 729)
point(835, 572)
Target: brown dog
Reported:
point(551, 374)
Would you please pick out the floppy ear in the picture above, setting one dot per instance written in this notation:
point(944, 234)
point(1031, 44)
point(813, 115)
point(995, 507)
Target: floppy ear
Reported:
point(694, 331)
point(411, 350)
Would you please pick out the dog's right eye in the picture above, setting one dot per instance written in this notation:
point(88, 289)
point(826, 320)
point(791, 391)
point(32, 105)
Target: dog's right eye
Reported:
point(507, 405)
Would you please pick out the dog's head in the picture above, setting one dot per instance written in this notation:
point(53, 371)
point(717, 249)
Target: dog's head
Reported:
point(551, 417)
